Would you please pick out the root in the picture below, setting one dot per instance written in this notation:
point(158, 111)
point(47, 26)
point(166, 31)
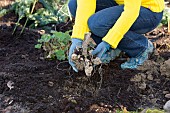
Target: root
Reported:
point(82, 56)
point(101, 77)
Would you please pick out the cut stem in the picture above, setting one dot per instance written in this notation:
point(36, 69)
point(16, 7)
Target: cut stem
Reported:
point(16, 26)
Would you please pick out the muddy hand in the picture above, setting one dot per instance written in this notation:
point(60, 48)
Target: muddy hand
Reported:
point(110, 55)
point(101, 49)
point(75, 43)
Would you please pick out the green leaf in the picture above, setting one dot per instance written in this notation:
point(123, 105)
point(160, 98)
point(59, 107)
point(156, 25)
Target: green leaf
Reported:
point(38, 46)
point(45, 38)
point(62, 44)
point(60, 54)
point(56, 44)
point(3, 12)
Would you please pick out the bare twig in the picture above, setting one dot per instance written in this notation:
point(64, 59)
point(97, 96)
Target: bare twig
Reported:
point(119, 92)
point(94, 71)
point(63, 25)
point(61, 69)
point(69, 72)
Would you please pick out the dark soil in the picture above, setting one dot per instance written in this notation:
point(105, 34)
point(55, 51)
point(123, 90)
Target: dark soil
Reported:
point(50, 86)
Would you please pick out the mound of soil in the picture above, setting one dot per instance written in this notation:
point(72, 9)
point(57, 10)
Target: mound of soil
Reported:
point(31, 84)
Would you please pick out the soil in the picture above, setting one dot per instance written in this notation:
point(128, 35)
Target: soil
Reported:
point(6, 3)
point(31, 84)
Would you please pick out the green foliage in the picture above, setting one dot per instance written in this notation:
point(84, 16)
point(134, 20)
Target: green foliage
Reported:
point(3, 12)
point(38, 46)
point(154, 111)
point(166, 16)
point(55, 44)
point(53, 11)
point(23, 9)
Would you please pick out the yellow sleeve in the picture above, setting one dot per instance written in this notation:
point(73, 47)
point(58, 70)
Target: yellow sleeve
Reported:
point(85, 8)
point(123, 24)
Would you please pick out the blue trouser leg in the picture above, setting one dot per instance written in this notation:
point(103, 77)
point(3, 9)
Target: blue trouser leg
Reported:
point(133, 42)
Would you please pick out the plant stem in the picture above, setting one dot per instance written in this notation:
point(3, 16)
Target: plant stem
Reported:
point(24, 26)
point(27, 17)
point(16, 25)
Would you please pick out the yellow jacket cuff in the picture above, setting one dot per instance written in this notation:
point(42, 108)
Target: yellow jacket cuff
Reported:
point(113, 39)
point(79, 31)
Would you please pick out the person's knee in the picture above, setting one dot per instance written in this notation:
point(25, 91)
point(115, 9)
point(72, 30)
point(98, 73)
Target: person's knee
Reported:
point(72, 5)
point(92, 25)
point(96, 27)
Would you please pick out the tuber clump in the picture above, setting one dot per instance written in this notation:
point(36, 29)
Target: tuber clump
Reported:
point(82, 56)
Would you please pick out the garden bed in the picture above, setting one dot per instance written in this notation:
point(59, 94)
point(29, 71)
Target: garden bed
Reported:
point(31, 84)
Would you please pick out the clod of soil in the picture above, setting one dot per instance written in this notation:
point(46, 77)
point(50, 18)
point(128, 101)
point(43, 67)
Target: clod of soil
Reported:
point(165, 68)
point(167, 106)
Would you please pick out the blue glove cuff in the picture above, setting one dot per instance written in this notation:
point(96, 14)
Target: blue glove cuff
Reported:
point(106, 45)
point(76, 40)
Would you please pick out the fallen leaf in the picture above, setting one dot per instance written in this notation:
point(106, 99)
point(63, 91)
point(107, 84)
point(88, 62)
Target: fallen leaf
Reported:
point(10, 84)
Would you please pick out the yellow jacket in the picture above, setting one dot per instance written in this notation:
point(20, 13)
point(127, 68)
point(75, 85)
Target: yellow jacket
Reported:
point(85, 8)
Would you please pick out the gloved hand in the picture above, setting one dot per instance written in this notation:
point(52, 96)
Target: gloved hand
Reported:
point(110, 55)
point(101, 49)
point(75, 43)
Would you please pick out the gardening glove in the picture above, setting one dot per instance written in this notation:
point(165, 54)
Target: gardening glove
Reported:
point(101, 49)
point(75, 43)
point(110, 55)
